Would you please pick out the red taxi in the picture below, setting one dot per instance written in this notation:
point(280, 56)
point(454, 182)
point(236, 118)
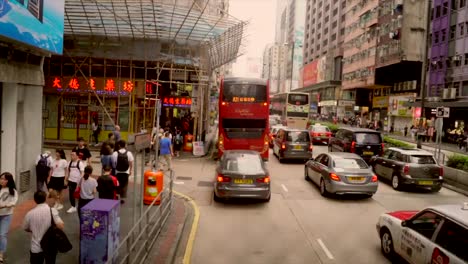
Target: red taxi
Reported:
point(320, 134)
point(436, 235)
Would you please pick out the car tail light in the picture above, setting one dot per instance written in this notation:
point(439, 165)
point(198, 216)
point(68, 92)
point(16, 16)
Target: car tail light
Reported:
point(222, 178)
point(283, 146)
point(265, 179)
point(353, 147)
point(441, 171)
point(311, 147)
point(382, 149)
point(223, 103)
point(315, 134)
point(266, 142)
point(334, 177)
point(265, 104)
point(406, 169)
point(374, 178)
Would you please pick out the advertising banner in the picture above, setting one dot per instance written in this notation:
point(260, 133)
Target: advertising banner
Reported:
point(38, 23)
point(398, 105)
point(309, 74)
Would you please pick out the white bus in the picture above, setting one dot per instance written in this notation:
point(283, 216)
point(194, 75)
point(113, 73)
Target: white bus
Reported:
point(293, 108)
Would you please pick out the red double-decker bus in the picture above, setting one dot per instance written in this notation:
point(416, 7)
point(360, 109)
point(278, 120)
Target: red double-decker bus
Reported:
point(243, 115)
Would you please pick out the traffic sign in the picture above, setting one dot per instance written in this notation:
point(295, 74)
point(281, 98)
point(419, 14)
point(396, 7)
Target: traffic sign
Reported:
point(443, 112)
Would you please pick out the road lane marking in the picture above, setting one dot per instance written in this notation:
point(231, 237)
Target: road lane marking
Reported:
point(196, 218)
point(284, 188)
point(325, 249)
point(179, 182)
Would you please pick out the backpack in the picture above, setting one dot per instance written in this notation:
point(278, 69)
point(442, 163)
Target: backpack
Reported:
point(178, 139)
point(42, 167)
point(122, 161)
point(77, 165)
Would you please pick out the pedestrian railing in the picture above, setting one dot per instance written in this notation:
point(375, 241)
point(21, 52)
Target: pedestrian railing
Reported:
point(136, 246)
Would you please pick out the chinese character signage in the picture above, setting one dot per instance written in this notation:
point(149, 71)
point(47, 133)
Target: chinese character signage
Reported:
point(99, 85)
point(237, 99)
point(38, 23)
point(184, 102)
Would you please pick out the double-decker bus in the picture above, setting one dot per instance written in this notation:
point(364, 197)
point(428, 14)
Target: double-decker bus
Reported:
point(243, 115)
point(293, 108)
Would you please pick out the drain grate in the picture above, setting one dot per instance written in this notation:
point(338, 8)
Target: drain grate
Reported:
point(205, 183)
point(25, 181)
point(184, 178)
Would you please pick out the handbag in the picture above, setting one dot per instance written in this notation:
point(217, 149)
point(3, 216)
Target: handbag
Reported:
point(77, 192)
point(55, 239)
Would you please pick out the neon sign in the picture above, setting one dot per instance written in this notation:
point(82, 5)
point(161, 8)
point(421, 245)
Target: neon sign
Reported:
point(99, 85)
point(237, 99)
point(183, 102)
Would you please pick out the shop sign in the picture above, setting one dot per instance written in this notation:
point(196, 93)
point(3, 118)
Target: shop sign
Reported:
point(99, 85)
point(328, 103)
point(346, 103)
point(380, 102)
point(398, 105)
point(183, 102)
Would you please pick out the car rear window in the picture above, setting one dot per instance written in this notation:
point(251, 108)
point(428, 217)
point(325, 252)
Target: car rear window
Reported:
point(244, 164)
point(349, 163)
point(320, 129)
point(298, 136)
point(422, 159)
point(368, 138)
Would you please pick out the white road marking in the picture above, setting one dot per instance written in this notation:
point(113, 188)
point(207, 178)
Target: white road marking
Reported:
point(325, 249)
point(179, 182)
point(284, 188)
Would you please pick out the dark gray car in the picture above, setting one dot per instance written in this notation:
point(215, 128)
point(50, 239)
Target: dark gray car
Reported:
point(292, 144)
point(242, 174)
point(341, 173)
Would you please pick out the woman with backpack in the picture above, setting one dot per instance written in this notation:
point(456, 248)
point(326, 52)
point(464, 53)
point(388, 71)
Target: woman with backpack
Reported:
point(88, 189)
point(8, 199)
point(58, 176)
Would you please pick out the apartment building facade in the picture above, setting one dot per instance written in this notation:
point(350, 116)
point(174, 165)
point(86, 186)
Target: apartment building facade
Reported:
point(273, 58)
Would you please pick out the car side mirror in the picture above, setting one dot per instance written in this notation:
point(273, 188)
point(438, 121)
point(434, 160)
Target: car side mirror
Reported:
point(405, 223)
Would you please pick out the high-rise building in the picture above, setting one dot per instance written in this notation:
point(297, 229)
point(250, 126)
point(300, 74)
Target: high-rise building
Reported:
point(272, 60)
point(323, 53)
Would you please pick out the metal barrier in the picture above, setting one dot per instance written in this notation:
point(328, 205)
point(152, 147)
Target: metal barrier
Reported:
point(136, 246)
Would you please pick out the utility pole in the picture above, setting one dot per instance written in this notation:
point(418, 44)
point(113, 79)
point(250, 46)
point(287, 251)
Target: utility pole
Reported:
point(424, 73)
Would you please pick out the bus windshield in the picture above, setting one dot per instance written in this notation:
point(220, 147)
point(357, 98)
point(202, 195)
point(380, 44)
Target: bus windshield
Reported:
point(298, 99)
point(244, 93)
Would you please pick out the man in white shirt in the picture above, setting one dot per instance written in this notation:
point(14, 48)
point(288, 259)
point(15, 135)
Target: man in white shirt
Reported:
point(37, 221)
point(122, 161)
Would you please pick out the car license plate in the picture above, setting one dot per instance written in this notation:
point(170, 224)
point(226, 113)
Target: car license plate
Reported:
point(356, 178)
point(425, 183)
point(368, 153)
point(298, 147)
point(243, 181)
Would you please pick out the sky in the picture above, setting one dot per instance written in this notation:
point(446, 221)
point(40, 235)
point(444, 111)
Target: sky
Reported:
point(261, 15)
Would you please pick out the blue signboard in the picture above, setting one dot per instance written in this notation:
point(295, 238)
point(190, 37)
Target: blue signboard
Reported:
point(38, 23)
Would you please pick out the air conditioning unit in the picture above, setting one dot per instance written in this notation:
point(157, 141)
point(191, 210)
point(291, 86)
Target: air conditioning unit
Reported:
point(445, 94)
point(453, 93)
point(456, 58)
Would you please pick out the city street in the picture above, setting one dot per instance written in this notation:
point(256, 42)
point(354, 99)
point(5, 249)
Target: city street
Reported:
point(297, 225)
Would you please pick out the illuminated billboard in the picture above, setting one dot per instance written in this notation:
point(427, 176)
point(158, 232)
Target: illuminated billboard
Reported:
point(37, 23)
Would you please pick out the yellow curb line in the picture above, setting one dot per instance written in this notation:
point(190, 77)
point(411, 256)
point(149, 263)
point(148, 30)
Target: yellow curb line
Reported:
point(193, 230)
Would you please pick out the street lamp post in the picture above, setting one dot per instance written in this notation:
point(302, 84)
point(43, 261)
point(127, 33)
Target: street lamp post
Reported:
point(423, 74)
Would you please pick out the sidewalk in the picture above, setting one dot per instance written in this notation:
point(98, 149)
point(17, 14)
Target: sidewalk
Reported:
point(444, 146)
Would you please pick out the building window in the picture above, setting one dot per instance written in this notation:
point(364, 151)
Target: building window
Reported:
point(454, 5)
point(452, 32)
point(443, 34)
point(462, 3)
point(448, 63)
point(335, 11)
point(327, 18)
point(445, 8)
point(325, 42)
point(436, 37)
point(466, 59)
point(343, 17)
point(462, 28)
point(464, 91)
point(333, 37)
point(342, 32)
point(430, 38)
point(432, 14)
point(325, 31)
point(343, 5)
point(437, 11)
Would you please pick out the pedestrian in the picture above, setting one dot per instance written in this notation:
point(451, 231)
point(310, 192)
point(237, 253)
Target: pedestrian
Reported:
point(106, 151)
point(123, 163)
point(178, 141)
point(166, 150)
point(75, 173)
point(117, 135)
point(58, 176)
point(405, 130)
point(8, 199)
point(43, 164)
point(37, 222)
point(107, 185)
point(96, 132)
point(82, 150)
point(88, 188)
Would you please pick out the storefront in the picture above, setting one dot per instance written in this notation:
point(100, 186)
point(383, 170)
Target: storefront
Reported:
point(345, 108)
point(328, 107)
point(400, 114)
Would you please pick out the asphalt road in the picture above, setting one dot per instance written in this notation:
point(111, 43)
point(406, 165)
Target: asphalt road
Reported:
point(297, 225)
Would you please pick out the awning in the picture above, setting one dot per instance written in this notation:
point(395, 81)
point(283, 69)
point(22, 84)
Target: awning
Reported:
point(191, 24)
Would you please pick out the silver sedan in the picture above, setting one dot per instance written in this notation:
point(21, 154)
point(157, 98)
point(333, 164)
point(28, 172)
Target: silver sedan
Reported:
point(242, 174)
point(341, 173)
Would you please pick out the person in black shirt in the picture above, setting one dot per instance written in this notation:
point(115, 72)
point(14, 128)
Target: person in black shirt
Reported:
point(106, 186)
point(82, 151)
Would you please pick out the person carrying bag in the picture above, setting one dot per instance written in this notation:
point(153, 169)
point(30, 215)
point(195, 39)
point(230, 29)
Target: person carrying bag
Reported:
point(55, 239)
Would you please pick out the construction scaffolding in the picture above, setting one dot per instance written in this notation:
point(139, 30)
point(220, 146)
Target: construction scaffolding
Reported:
point(139, 44)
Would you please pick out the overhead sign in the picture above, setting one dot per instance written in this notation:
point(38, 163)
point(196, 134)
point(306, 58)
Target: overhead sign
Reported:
point(443, 112)
point(37, 23)
point(108, 86)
